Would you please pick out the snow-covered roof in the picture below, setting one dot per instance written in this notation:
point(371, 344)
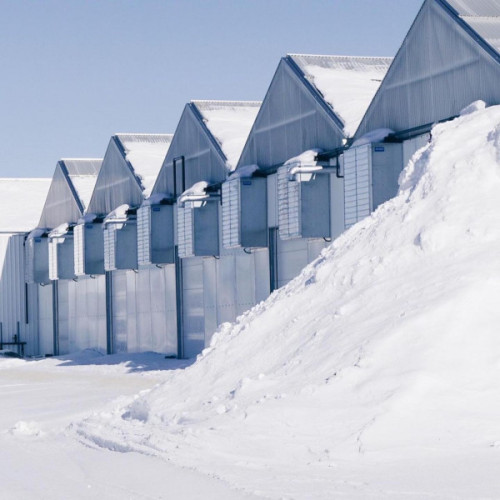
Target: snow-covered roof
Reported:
point(347, 83)
point(229, 122)
point(483, 16)
point(146, 152)
point(83, 174)
point(481, 8)
point(21, 202)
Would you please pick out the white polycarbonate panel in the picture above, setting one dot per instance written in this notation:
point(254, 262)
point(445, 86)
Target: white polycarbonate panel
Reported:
point(109, 248)
point(79, 246)
point(357, 184)
point(289, 205)
point(143, 235)
point(231, 214)
point(185, 230)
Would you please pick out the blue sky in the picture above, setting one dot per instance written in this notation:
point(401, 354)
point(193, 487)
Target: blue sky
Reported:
point(74, 72)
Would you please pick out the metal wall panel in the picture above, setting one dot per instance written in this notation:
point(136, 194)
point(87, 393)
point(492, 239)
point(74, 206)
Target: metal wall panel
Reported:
point(294, 255)
point(89, 249)
point(37, 259)
point(120, 245)
point(155, 234)
point(244, 213)
point(144, 314)
point(62, 257)
point(301, 205)
point(193, 306)
point(198, 230)
point(290, 121)
point(438, 71)
point(18, 303)
point(387, 164)
point(45, 319)
point(336, 205)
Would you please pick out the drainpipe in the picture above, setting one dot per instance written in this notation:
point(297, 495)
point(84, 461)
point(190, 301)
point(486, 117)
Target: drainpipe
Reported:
point(55, 315)
point(109, 312)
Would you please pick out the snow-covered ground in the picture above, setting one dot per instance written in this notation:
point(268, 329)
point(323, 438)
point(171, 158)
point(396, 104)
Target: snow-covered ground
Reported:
point(374, 374)
point(38, 460)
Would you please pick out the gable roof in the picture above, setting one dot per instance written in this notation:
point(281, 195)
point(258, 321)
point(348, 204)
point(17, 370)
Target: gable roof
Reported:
point(145, 154)
point(346, 83)
point(229, 122)
point(82, 173)
point(21, 201)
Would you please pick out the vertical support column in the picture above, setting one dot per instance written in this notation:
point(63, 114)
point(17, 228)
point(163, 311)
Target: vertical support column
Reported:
point(179, 304)
point(55, 315)
point(273, 258)
point(109, 312)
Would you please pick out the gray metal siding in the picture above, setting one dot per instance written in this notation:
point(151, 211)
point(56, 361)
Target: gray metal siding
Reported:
point(18, 303)
point(290, 121)
point(144, 310)
point(89, 248)
point(438, 71)
point(120, 245)
point(244, 213)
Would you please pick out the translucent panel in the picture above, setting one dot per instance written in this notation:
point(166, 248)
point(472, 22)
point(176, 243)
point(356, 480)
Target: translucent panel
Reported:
point(476, 7)
point(357, 184)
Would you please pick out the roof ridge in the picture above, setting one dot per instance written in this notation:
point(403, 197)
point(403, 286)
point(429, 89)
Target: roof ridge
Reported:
point(493, 18)
point(341, 56)
point(142, 134)
point(216, 101)
point(81, 159)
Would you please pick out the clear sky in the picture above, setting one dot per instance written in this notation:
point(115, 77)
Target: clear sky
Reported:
point(74, 72)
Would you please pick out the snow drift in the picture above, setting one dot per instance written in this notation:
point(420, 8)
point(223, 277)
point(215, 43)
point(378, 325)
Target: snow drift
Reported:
point(375, 371)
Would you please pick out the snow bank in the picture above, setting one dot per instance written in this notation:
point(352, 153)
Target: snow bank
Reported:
point(375, 371)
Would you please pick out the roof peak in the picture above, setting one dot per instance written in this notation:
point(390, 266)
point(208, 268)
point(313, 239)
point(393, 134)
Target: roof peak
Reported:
point(381, 58)
point(225, 103)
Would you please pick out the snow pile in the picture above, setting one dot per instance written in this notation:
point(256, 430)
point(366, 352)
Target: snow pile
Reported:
point(373, 373)
point(230, 123)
